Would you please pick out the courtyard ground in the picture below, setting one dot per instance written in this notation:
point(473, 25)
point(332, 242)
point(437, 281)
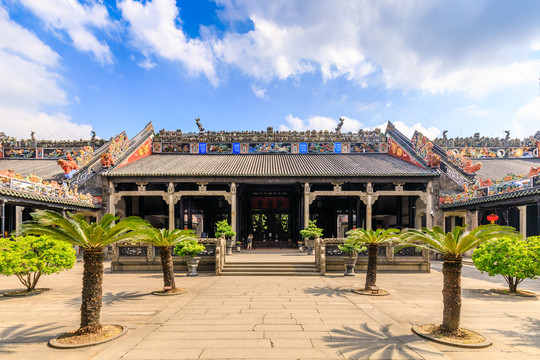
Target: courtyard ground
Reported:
point(269, 317)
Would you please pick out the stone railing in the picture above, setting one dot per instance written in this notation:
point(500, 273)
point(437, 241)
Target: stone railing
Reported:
point(145, 257)
point(328, 257)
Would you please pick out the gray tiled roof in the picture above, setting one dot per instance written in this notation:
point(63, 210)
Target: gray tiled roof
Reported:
point(260, 165)
point(493, 198)
point(45, 169)
point(48, 199)
point(496, 169)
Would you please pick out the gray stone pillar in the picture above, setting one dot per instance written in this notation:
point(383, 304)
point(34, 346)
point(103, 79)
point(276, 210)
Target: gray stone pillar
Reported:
point(170, 201)
point(307, 191)
point(18, 217)
point(111, 203)
point(233, 209)
point(523, 219)
point(429, 205)
point(3, 217)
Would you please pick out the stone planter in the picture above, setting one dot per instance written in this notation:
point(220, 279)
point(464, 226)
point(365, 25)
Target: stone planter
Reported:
point(230, 245)
point(310, 243)
point(238, 248)
point(350, 262)
point(192, 263)
point(300, 248)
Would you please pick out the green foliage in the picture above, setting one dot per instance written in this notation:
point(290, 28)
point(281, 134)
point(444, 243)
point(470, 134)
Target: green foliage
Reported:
point(188, 247)
point(311, 231)
point(515, 260)
point(29, 257)
point(458, 241)
point(160, 237)
point(379, 236)
point(223, 228)
point(350, 246)
point(75, 230)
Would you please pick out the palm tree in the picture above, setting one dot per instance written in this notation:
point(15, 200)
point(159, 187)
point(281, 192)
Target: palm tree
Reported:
point(452, 246)
point(371, 238)
point(164, 239)
point(92, 237)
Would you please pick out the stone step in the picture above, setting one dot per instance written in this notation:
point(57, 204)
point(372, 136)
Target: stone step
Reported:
point(269, 265)
point(279, 269)
point(270, 273)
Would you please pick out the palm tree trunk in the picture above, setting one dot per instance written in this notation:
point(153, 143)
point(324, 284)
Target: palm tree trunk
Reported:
point(451, 293)
point(92, 291)
point(167, 265)
point(371, 274)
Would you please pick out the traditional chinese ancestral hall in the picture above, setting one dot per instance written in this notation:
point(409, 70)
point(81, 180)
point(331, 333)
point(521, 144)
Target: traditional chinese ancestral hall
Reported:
point(271, 183)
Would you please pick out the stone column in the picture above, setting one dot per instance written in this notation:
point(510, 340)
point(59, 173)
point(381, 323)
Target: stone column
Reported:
point(233, 209)
point(170, 202)
point(307, 191)
point(369, 202)
point(18, 217)
point(111, 203)
point(3, 217)
point(523, 219)
point(429, 205)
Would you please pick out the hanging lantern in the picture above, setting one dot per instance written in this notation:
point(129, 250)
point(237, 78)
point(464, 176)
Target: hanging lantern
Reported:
point(492, 218)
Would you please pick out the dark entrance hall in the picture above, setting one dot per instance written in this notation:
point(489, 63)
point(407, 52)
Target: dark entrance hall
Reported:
point(271, 213)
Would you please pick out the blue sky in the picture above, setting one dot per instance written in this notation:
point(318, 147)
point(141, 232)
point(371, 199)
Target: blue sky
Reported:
point(69, 67)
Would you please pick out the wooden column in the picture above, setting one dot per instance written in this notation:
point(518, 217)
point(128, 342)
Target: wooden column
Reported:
point(523, 219)
point(306, 204)
point(233, 208)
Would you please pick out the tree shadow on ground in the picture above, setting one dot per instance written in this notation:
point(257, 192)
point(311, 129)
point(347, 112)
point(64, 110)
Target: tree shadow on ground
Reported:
point(21, 333)
point(110, 298)
point(368, 342)
point(327, 291)
point(486, 294)
point(528, 334)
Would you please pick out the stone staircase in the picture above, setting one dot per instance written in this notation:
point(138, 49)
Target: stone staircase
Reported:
point(269, 269)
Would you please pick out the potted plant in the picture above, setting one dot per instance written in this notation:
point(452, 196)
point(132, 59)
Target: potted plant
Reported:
point(351, 250)
point(301, 246)
point(189, 250)
point(310, 233)
point(223, 229)
point(238, 246)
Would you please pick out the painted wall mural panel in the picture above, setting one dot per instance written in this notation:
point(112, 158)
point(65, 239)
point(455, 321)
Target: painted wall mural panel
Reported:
point(269, 147)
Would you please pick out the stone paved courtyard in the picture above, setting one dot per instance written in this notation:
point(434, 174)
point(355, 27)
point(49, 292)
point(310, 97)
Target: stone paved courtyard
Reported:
point(269, 318)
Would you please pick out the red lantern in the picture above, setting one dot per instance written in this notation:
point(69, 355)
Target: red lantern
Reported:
point(492, 218)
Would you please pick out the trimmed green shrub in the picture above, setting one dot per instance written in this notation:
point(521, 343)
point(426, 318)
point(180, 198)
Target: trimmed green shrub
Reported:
point(29, 257)
point(223, 228)
point(515, 260)
point(311, 231)
point(188, 248)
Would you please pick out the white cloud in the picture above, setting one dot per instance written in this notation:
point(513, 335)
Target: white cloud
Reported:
point(147, 64)
point(153, 26)
point(474, 110)
point(526, 121)
point(319, 123)
point(435, 47)
point(78, 21)
point(259, 92)
point(19, 123)
point(30, 82)
point(430, 132)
